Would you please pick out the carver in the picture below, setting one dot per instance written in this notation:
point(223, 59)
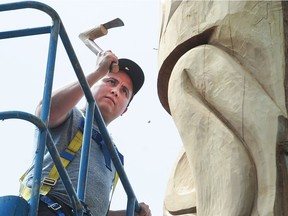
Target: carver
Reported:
point(112, 92)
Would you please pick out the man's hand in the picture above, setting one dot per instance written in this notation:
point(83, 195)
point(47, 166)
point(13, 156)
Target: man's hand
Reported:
point(105, 59)
point(145, 211)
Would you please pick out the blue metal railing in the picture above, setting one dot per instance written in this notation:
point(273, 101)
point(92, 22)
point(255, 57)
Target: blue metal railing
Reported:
point(56, 29)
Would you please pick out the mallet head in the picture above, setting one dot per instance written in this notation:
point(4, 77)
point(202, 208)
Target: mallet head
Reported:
point(91, 34)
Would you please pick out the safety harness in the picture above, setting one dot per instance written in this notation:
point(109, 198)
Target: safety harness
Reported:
point(66, 157)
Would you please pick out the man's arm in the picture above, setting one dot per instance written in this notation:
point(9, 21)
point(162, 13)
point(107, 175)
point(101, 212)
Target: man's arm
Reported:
point(145, 211)
point(67, 97)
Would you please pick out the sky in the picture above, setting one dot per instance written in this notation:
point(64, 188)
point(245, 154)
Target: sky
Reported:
point(146, 134)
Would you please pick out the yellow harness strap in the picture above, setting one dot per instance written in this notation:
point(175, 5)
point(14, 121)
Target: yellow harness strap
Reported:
point(116, 178)
point(50, 181)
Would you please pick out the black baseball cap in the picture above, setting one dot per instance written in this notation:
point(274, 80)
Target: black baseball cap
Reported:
point(134, 71)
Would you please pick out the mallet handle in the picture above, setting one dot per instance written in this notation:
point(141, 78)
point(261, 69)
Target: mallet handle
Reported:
point(95, 32)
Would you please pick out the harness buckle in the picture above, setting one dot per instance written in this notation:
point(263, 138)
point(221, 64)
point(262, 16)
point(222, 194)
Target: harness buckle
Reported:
point(55, 206)
point(49, 181)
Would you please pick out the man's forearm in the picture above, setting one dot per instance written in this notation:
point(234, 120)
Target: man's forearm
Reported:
point(64, 99)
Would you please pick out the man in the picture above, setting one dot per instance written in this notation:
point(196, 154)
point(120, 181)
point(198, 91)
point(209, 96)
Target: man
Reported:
point(112, 93)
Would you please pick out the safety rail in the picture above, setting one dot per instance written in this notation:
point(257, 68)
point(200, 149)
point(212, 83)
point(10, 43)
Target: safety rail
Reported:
point(92, 112)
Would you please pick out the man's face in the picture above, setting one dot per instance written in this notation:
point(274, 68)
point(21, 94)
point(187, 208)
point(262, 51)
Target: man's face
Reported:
point(112, 94)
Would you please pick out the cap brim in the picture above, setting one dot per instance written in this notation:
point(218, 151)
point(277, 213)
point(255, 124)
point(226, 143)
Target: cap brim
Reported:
point(134, 71)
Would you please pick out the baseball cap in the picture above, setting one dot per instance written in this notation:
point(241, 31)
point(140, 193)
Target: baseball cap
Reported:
point(134, 71)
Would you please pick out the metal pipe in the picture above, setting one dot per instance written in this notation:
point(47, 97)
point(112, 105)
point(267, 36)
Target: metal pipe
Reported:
point(58, 28)
point(36, 185)
point(25, 32)
point(115, 158)
point(84, 162)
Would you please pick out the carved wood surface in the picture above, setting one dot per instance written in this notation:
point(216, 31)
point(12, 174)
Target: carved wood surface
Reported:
point(222, 77)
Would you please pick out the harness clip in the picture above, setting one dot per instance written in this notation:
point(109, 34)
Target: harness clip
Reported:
point(55, 206)
point(49, 181)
